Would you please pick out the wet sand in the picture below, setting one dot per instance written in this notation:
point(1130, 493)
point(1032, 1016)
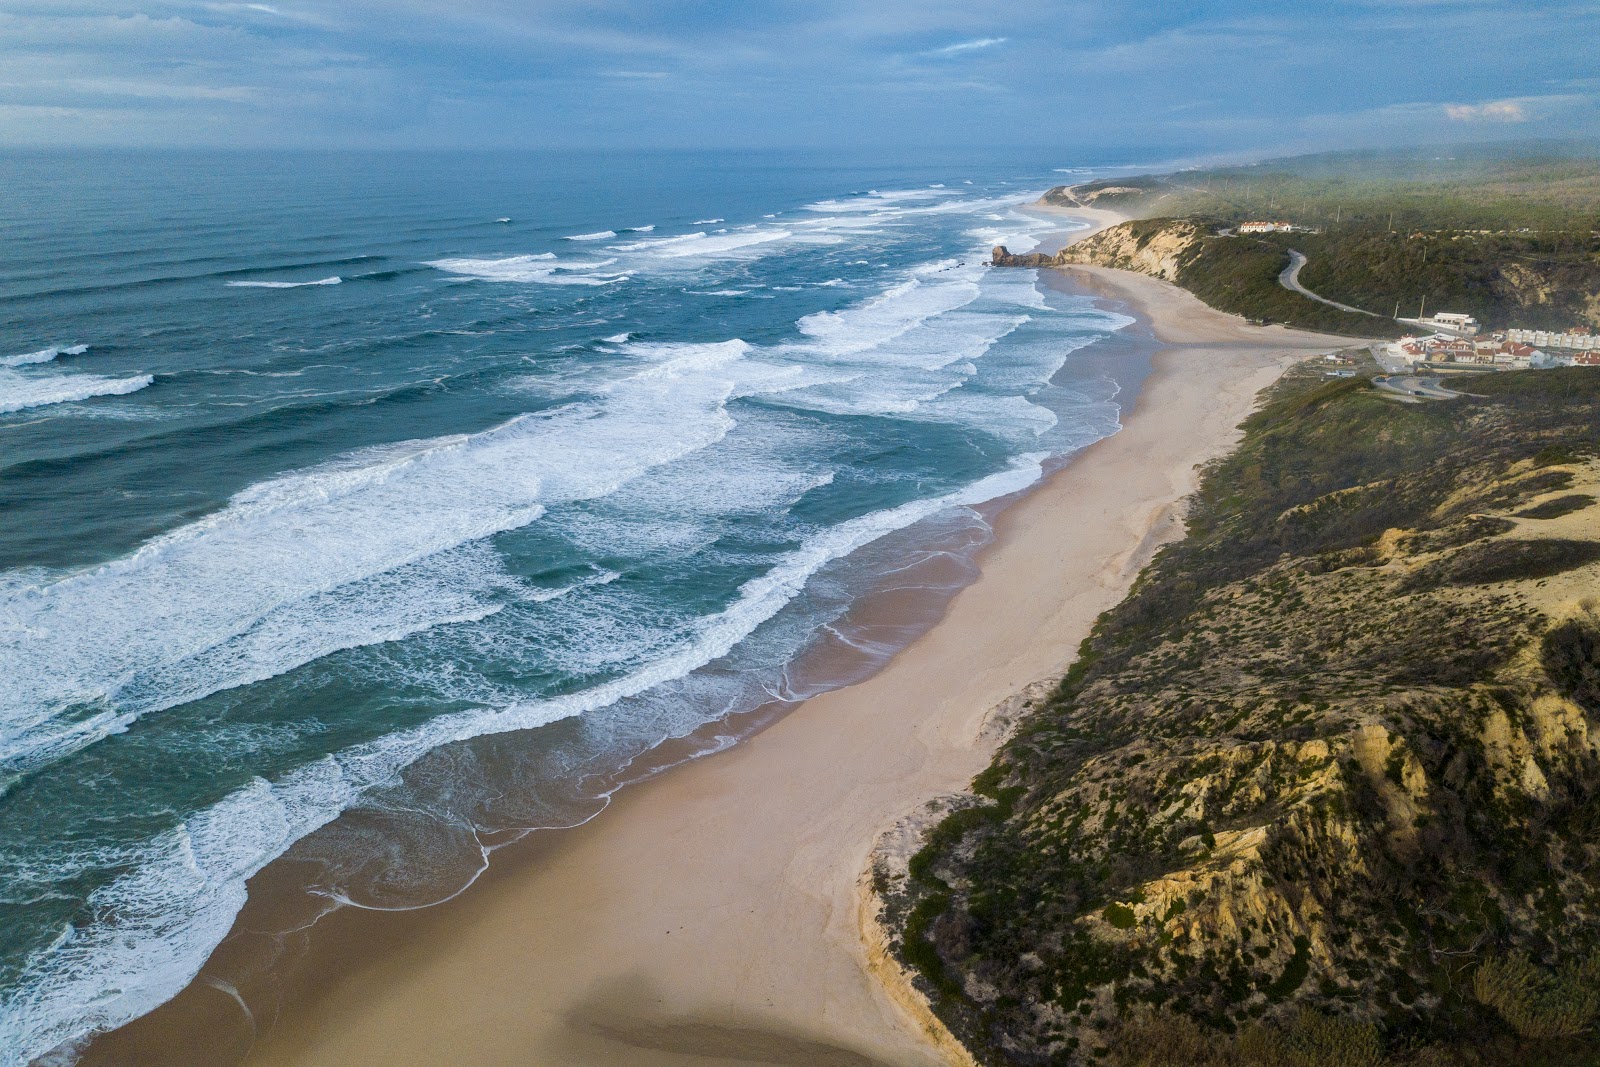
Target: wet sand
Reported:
point(716, 914)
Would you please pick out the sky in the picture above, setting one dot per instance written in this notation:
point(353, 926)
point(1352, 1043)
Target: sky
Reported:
point(1181, 78)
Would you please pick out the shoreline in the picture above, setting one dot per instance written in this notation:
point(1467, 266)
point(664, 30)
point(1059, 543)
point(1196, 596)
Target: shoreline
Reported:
point(755, 857)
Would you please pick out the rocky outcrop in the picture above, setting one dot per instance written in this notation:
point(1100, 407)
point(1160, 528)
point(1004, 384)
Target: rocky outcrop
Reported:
point(1157, 247)
point(1003, 257)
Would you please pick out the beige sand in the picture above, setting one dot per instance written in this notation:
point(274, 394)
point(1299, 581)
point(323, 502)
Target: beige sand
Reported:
point(713, 914)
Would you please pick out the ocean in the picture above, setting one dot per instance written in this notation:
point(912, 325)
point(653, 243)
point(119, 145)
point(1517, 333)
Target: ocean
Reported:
point(441, 491)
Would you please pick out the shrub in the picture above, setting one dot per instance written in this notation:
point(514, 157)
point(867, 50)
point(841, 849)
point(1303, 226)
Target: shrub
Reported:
point(1160, 1039)
point(1539, 1003)
point(1294, 972)
point(1571, 657)
point(1120, 916)
point(1311, 1039)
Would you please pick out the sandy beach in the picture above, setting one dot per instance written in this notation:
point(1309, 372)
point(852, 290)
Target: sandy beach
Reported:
point(716, 914)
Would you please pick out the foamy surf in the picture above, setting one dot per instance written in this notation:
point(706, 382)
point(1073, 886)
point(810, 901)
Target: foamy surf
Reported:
point(218, 603)
point(179, 901)
point(541, 268)
point(585, 523)
point(19, 392)
point(334, 280)
point(43, 355)
point(703, 244)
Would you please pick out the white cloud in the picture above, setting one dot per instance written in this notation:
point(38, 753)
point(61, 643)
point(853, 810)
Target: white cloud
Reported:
point(974, 45)
point(1489, 111)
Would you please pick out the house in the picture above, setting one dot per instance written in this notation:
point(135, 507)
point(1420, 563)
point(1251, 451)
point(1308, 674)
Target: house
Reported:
point(1265, 227)
point(1580, 338)
point(1483, 352)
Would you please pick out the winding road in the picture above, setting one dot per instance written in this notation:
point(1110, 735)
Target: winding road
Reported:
point(1290, 279)
point(1412, 386)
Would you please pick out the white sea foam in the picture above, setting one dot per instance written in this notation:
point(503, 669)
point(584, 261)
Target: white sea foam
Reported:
point(642, 229)
point(19, 391)
point(335, 280)
point(330, 557)
point(183, 891)
point(542, 268)
point(708, 222)
point(280, 576)
point(705, 244)
point(599, 235)
point(900, 309)
point(43, 355)
point(878, 201)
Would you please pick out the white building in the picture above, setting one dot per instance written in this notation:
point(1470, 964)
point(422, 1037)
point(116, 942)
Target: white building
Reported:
point(1455, 323)
point(1582, 341)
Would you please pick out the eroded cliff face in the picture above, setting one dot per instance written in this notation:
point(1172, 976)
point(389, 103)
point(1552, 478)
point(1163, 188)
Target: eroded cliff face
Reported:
point(1568, 289)
point(1158, 248)
point(1337, 753)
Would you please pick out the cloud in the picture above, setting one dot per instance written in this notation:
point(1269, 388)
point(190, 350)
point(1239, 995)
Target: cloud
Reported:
point(961, 47)
point(1093, 75)
point(1490, 111)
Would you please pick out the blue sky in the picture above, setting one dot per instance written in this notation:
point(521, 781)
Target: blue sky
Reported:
point(1190, 78)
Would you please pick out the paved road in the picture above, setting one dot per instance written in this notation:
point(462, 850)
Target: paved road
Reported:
point(1412, 386)
point(1290, 279)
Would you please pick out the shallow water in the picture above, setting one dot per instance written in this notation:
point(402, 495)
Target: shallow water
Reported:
point(329, 491)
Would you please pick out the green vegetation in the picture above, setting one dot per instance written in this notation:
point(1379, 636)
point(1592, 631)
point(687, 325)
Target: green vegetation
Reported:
point(1539, 1003)
point(1510, 240)
point(1530, 280)
point(1490, 187)
point(1320, 790)
point(1306, 1040)
point(1240, 275)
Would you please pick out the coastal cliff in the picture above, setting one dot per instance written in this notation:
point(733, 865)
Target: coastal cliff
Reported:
point(1159, 248)
point(1325, 789)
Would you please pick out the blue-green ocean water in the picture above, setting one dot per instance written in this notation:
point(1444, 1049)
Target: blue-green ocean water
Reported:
point(436, 489)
